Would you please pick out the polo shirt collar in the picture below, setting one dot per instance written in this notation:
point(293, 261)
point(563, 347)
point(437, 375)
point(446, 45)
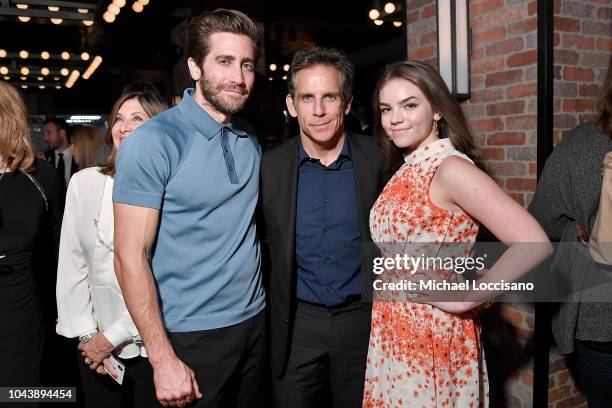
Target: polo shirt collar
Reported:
point(202, 121)
point(344, 153)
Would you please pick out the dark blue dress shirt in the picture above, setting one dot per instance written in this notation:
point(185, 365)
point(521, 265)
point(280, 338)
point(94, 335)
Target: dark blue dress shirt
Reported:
point(328, 235)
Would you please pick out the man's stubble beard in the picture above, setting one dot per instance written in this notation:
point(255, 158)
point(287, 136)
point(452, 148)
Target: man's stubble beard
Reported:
point(227, 105)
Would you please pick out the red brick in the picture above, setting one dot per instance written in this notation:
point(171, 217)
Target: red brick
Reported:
point(571, 402)
point(557, 6)
point(557, 394)
point(507, 168)
point(522, 122)
point(487, 95)
point(578, 105)
point(506, 108)
point(532, 8)
point(519, 198)
point(422, 53)
point(413, 17)
point(556, 39)
point(523, 58)
point(429, 38)
point(533, 169)
point(566, 57)
point(604, 13)
point(492, 153)
point(578, 74)
point(521, 91)
point(521, 184)
point(484, 7)
point(428, 11)
point(592, 90)
point(506, 138)
point(565, 377)
point(487, 36)
point(487, 125)
point(505, 47)
point(604, 44)
point(564, 121)
point(596, 28)
point(523, 26)
point(578, 41)
point(488, 65)
point(478, 54)
point(558, 365)
point(571, 25)
point(504, 78)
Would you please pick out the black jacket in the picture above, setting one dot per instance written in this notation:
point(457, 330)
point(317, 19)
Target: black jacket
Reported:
point(278, 195)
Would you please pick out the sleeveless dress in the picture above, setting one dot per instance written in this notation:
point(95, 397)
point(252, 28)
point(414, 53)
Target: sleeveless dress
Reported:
point(420, 356)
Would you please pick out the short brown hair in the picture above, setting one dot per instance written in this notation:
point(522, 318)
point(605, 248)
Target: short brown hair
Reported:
point(15, 144)
point(204, 25)
point(152, 105)
point(87, 140)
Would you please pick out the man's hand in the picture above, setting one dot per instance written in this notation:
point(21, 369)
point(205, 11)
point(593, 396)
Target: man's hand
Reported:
point(96, 349)
point(108, 365)
point(175, 383)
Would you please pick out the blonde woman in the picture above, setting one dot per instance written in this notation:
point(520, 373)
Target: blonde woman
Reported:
point(89, 300)
point(29, 199)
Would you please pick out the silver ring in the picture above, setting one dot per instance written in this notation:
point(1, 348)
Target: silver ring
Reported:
point(87, 361)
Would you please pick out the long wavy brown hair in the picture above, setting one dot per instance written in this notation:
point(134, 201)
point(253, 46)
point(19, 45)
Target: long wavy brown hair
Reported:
point(15, 144)
point(604, 104)
point(152, 105)
point(453, 123)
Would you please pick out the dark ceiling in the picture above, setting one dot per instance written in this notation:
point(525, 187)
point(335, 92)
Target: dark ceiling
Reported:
point(147, 45)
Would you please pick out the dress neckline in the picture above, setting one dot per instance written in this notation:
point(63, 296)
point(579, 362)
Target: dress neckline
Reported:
point(427, 151)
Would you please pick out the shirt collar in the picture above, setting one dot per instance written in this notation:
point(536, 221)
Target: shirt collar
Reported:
point(344, 153)
point(202, 121)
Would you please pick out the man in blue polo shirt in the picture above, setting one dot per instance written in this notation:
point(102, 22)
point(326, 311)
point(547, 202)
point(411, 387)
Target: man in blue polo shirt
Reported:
point(186, 252)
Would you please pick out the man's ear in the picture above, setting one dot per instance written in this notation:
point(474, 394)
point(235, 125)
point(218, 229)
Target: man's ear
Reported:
point(194, 70)
point(290, 106)
point(347, 106)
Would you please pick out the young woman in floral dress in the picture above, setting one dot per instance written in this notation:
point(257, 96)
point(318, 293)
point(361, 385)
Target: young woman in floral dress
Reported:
point(430, 354)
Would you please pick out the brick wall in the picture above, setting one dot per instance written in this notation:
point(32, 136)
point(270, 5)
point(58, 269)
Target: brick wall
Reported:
point(583, 43)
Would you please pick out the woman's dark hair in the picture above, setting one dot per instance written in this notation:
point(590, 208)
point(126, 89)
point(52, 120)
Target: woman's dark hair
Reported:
point(452, 124)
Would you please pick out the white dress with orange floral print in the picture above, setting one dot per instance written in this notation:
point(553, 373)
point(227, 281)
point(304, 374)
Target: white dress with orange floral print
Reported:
point(420, 356)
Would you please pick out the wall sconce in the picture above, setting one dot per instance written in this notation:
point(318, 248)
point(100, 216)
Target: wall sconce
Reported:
point(454, 46)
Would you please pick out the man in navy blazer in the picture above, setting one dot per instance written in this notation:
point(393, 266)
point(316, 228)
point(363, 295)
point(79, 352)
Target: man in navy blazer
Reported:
point(316, 193)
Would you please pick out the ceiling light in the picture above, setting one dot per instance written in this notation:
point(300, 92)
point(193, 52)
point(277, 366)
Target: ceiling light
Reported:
point(22, 6)
point(41, 86)
point(390, 8)
point(88, 23)
point(92, 67)
point(271, 79)
point(286, 67)
point(24, 87)
point(108, 17)
point(40, 78)
point(284, 77)
point(24, 19)
point(7, 78)
point(137, 7)
point(56, 21)
point(4, 70)
point(74, 75)
point(119, 3)
point(45, 71)
point(23, 54)
point(23, 78)
point(2, 53)
point(65, 55)
point(374, 14)
point(397, 23)
point(113, 9)
point(85, 56)
point(272, 67)
point(24, 70)
point(64, 71)
point(143, 2)
point(378, 22)
point(58, 87)
point(53, 8)
point(56, 78)
point(45, 55)
point(83, 11)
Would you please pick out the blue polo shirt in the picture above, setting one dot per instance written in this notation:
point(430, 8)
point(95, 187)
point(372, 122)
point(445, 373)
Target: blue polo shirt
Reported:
point(328, 234)
point(204, 179)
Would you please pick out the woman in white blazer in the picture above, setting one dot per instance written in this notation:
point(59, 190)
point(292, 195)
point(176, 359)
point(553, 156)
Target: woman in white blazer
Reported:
point(89, 300)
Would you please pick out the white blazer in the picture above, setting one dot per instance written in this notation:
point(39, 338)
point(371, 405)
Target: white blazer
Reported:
point(88, 295)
